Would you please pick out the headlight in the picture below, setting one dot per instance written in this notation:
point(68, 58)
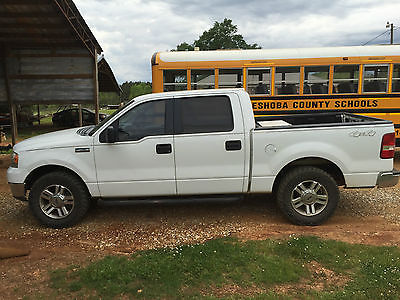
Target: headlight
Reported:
point(14, 160)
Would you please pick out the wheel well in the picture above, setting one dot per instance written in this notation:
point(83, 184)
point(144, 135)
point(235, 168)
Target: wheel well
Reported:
point(317, 162)
point(37, 173)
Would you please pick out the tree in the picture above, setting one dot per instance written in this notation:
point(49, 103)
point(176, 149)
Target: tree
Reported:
point(132, 89)
point(126, 91)
point(109, 98)
point(221, 36)
point(140, 88)
point(184, 47)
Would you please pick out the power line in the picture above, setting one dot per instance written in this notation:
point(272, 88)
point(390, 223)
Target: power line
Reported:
point(376, 37)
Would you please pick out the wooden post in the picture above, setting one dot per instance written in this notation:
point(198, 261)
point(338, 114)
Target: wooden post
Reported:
point(38, 113)
point(80, 115)
point(13, 113)
point(96, 87)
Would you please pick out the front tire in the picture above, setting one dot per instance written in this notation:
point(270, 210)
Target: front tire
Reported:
point(59, 199)
point(308, 196)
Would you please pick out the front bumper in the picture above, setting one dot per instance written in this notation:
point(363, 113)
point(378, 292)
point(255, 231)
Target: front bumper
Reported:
point(388, 179)
point(18, 190)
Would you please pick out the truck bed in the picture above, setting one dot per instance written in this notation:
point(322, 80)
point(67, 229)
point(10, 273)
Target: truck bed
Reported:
point(315, 120)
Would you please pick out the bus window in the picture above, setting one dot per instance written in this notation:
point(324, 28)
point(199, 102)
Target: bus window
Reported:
point(258, 81)
point(345, 79)
point(175, 80)
point(375, 78)
point(396, 78)
point(287, 80)
point(230, 78)
point(202, 79)
point(316, 80)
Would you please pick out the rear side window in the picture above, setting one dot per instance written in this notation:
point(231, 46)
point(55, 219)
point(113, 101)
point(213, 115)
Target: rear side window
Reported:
point(287, 80)
point(203, 114)
point(345, 79)
point(375, 78)
point(396, 78)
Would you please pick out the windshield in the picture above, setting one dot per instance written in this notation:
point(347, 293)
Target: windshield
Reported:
point(95, 128)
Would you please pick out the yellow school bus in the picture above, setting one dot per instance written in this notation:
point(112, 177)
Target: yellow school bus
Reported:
point(359, 79)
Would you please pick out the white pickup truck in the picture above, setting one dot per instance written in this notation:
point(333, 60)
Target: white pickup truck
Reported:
point(202, 145)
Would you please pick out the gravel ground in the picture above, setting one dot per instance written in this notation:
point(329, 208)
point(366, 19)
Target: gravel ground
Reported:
point(371, 202)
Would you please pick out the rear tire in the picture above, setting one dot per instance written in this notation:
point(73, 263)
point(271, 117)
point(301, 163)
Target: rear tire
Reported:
point(59, 199)
point(307, 196)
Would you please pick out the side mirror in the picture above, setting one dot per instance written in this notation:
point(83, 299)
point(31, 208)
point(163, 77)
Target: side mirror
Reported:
point(111, 138)
point(108, 135)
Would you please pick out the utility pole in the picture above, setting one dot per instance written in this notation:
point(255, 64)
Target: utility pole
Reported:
point(390, 25)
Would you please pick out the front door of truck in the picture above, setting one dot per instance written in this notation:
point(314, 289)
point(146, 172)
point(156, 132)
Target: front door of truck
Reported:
point(209, 145)
point(141, 160)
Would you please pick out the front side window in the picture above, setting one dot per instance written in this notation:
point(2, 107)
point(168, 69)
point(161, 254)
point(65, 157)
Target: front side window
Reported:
point(345, 79)
point(230, 78)
point(202, 79)
point(174, 80)
point(287, 80)
point(204, 114)
point(259, 81)
point(147, 119)
point(396, 78)
point(375, 78)
point(316, 80)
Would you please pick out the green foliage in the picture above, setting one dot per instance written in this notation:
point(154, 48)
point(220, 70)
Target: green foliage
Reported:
point(223, 35)
point(140, 88)
point(108, 98)
point(133, 89)
point(184, 47)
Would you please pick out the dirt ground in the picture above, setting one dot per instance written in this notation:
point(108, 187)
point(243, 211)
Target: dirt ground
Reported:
point(122, 230)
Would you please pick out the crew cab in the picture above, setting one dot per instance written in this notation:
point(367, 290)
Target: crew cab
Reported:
point(202, 145)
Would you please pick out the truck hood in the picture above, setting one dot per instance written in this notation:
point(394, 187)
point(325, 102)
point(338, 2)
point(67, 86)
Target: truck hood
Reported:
point(58, 139)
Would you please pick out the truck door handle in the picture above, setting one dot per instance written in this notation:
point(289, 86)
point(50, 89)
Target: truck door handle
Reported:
point(163, 148)
point(233, 145)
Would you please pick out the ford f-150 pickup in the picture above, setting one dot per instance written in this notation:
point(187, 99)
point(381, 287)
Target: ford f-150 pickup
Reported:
point(202, 145)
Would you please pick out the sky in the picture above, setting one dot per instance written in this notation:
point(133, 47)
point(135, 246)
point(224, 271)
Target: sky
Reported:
point(130, 31)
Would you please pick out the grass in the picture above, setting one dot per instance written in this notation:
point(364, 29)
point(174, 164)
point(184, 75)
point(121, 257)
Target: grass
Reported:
point(255, 268)
point(107, 111)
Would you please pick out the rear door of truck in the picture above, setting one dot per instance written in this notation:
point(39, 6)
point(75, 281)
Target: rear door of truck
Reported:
point(209, 144)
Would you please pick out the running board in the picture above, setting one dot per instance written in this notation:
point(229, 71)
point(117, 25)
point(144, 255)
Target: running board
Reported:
point(161, 200)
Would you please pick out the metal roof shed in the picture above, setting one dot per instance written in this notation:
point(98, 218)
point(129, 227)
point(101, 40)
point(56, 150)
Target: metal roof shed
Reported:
point(49, 56)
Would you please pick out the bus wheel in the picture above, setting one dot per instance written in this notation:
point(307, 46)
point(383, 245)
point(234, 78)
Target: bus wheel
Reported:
point(307, 196)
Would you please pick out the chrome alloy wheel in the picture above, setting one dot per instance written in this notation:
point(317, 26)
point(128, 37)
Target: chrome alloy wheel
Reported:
point(56, 201)
point(309, 198)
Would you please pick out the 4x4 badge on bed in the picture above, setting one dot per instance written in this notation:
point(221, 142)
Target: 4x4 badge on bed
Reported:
point(362, 133)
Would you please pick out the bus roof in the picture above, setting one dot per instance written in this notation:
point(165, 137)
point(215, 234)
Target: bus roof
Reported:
point(290, 53)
